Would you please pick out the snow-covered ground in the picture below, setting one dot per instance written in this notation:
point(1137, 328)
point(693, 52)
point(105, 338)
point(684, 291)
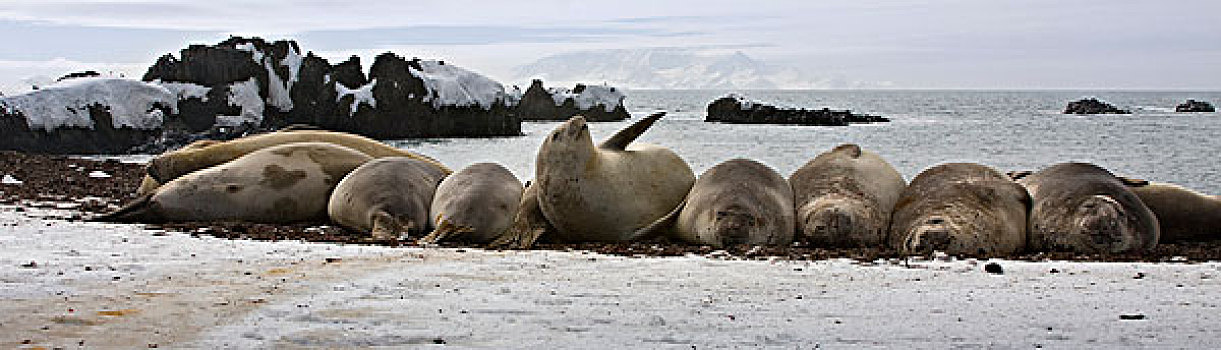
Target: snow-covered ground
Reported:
point(63, 283)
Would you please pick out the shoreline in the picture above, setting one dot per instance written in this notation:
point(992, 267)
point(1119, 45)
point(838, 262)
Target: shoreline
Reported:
point(87, 187)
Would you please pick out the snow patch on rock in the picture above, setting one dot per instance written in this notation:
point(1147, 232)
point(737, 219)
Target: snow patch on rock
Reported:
point(450, 85)
point(245, 95)
point(277, 94)
point(293, 61)
point(132, 103)
point(10, 180)
point(608, 97)
point(363, 94)
point(186, 90)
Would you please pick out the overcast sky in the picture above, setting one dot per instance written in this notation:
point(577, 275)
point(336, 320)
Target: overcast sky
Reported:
point(974, 44)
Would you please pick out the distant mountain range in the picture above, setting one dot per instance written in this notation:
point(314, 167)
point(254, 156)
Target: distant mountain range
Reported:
point(669, 68)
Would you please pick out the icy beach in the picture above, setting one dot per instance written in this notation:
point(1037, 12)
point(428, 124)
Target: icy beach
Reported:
point(71, 284)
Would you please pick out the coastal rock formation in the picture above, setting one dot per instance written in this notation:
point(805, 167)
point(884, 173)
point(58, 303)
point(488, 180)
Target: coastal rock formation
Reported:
point(1195, 106)
point(243, 86)
point(595, 102)
point(1093, 106)
point(84, 115)
point(739, 110)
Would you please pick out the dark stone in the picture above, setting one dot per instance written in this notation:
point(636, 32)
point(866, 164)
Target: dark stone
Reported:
point(16, 135)
point(731, 109)
point(1132, 317)
point(538, 104)
point(1195, 106)
point(85, 74)
point(1092, 106)
point(994, 268)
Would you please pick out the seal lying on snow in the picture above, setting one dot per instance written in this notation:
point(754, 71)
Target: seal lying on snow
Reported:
point(475, 204)
point(279, 184)
point(739, 201)
point(607, 192)
point(1182, 214)
point(1082, 208)
point(171, 165)
point(386, 196)
point(845, 197)
point(963, 209)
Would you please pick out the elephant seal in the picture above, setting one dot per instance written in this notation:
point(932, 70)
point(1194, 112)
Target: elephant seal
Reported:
point(844, 198)
point(739, 201)
point(171, 165)
point(148, 184)
point(960, 209)
point(1083, 208)
point(1182, 214)
point(280, 184)
point(475, 204)
point(605, 193)
point(388, 197)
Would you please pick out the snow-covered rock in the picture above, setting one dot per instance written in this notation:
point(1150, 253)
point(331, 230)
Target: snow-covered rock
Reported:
point(594, 102)
point(360, 95)
point(453, 86)
point(131, 103)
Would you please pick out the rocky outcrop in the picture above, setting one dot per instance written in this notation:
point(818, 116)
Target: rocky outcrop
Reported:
point(74, 75)
point(1194, 106)
point(245, 85)
point(594, 102)
point(1092, 106)
point(85, 116)
point(738, 110)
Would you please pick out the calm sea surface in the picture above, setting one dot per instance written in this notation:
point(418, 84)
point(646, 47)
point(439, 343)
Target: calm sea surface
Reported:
point(1006, 130)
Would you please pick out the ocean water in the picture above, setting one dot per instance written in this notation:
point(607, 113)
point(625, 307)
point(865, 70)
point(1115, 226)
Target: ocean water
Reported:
point(1008, 130)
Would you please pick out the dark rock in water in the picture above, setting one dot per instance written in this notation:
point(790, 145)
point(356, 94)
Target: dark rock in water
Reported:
point(595, 103)
point(737, 110)
point(1132, 317)
point(1093, 106)
point(1195, 106)
point(85, 74)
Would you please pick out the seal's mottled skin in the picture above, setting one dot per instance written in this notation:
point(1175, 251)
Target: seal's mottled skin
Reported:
point(736, 202)
point(844, 198)
point(1083, 208)
point(475, 204)
point(149, 185)
point(280, 184)
point(605, 193)
point(961, 209)
point(1183, 215)
point(171, 165)
point(388, 197)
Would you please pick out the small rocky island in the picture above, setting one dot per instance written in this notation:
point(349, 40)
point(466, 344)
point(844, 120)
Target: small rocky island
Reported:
point(735, 109)
point(1093, 106)
point(248, 85)
point(1194, 106)
point(599, 103)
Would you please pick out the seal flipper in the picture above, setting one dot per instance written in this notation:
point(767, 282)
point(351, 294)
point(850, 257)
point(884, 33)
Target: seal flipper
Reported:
point(386, 227)
point(1132, 182)
point(659, 228)
point(529, 224)
point(139, 210)
point(624, 137)
point(445, 230)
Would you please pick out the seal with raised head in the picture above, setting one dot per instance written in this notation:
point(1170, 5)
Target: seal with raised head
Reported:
point(606, 192)
point(739, 201)
point(844, 198)
point(475, 204)
point(280, 184)
point(388, 197)
point(961, 209)
point(1080, 207)
point(171, 165)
